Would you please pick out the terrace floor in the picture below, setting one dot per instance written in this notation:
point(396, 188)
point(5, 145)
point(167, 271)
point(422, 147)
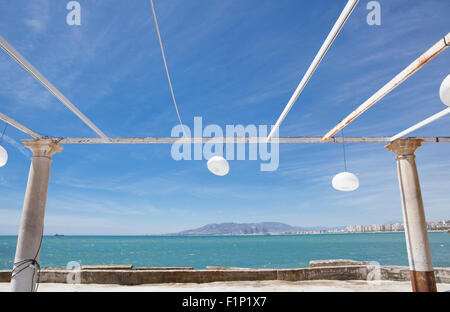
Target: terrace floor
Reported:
point(250, 286)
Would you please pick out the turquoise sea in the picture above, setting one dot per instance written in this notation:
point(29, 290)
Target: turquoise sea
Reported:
point(266, 251)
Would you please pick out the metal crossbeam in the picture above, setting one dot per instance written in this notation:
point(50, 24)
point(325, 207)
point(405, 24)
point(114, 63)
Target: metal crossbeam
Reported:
point(50, 87)
point(421, 124)
point(245, 140)
point(346, 12)
point(19, 126)
point(434, 51)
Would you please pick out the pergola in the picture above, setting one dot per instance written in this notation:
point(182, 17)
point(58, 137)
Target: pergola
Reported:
point(43, 148)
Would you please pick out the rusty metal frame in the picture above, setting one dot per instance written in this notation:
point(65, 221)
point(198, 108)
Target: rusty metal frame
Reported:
point(431, 53)
point(435, 50)
point(232, 140)
point(340, 22)
point(19, 126)
point(8, 48)
point(421, 124)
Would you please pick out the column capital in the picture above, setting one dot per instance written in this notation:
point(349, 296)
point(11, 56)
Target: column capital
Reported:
point(43, 147)
point(404, 147)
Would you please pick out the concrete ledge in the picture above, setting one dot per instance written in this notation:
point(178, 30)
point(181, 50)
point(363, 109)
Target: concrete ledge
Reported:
point(335, 262)
point(55, 275)
point(179, 275)
point(163, 268)
point(106, 267)
point(170, 276)
point(442, 275)
point(401, 273)
point(130, 267)
point(225, 268)
point(5, 276)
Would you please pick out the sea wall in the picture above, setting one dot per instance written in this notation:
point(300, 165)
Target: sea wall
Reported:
point(188, 275)
point(137, 277)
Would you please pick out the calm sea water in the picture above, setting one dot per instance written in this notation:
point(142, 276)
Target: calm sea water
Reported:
point(290, 251)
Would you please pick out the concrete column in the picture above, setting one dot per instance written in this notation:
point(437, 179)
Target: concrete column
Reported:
point(419, 255)
point(32, 223)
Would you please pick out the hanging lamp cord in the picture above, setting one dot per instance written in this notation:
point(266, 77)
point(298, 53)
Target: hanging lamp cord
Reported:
point(165, 66)
point(343, 149)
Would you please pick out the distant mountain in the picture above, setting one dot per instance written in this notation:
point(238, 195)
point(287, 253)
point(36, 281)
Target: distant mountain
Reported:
point(245, 228)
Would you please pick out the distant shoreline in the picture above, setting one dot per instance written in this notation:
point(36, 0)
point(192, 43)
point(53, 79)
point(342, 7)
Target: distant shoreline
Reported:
point(200, 235)
point(289, 234)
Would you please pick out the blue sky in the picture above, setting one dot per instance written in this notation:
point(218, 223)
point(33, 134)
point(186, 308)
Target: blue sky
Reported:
point(231, 62)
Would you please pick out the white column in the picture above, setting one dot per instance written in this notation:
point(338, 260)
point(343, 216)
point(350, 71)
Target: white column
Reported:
point(32, 223)
point(418, 246)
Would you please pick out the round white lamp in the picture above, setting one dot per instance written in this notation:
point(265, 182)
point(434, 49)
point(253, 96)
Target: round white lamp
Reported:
point(345, 181)
point(3, 156)
point(444, 91)
point(218, 165)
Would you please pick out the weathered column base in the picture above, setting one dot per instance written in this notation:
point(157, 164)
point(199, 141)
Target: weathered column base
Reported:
point(423, 281)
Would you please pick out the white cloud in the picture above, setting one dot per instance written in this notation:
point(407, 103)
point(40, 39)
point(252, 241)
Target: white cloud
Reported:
point(36, 25)
point(19, 146)
point(38, 12)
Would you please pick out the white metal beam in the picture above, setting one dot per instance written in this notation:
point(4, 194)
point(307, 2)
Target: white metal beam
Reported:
point(245, 140)
point(422, 123)
point(434, 51)
point(50, 87)
point(19, 126)
point(351, 4)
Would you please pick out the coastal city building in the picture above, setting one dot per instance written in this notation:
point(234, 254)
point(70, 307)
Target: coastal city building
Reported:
point(389, 227)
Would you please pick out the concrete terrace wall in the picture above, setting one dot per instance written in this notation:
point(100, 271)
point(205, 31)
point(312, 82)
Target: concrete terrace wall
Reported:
point(400, 273)
point(142, 276)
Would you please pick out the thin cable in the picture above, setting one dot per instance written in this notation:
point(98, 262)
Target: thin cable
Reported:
point(165, 66)
point(37, 264)
point(30, 263)
point(343, 148)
